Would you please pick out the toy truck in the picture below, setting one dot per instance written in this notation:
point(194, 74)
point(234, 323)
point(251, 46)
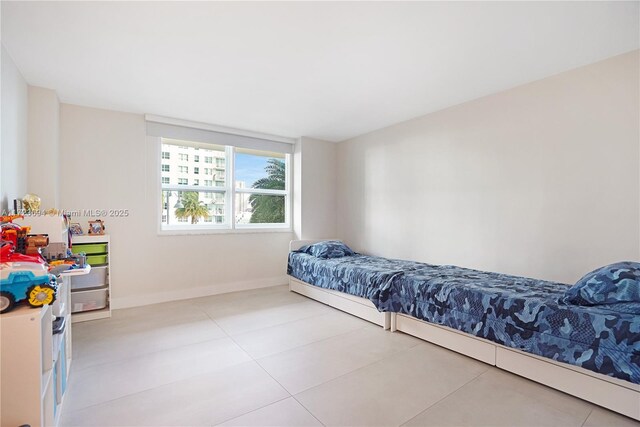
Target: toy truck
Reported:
point(24, 277)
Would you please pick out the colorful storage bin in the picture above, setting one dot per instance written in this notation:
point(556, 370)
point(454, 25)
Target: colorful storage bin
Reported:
point(89, 248)
point(96, 260)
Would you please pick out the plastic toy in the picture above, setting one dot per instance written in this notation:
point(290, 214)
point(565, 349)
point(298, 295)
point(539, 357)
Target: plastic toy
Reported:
point(10, 230)
point(34, 242)
point(10, 218)
point(14, 233)
point(24, 277)
point(31, 203)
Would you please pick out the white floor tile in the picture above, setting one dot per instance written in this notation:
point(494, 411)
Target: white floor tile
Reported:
point(203, 400)
point(243, 295)
point(285, 413)
point(139, 320)
point(277, 339)
point(264, 317)
point(123, 339)
point(101, 383)
point(600, 417)
point(498, 398)
point(316, 363)
point(245, 302)
point(392, 391)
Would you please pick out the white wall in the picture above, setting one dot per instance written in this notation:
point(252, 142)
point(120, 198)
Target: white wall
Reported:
point(43, 147)
point(13, 151)
point(541, 180)
point(107, 162)
point(315, 183)
point(296, 191)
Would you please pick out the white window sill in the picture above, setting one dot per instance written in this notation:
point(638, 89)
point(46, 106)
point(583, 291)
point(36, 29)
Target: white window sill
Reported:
point(204, 231)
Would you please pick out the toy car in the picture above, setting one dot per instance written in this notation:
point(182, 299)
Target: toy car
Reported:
point(24, 277)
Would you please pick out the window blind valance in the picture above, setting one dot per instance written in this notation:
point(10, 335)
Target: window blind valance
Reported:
point(209, 134)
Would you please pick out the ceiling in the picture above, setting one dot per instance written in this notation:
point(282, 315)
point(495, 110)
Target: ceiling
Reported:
point(325, 70)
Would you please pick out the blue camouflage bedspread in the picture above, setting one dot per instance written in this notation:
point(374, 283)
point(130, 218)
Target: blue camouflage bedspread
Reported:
point(525, 314)
point(360, 275)
point(517, 312)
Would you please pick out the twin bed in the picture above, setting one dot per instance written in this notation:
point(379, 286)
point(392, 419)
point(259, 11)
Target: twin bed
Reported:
point(518, 324)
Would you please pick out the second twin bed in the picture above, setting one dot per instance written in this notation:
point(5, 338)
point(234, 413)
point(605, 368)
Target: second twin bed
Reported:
point(537, 317)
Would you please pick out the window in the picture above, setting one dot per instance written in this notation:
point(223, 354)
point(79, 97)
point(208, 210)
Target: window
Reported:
point(261, 187)
point(196, 158)
point(260, 193)
point(166, 155)
point(165, 168)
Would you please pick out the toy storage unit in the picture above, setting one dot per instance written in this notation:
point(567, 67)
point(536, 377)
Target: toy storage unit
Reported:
point(35, 362)
point(90, 293)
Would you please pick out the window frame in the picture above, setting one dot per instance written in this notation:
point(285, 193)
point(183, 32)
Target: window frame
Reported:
point(229, 191)
point(286, 193)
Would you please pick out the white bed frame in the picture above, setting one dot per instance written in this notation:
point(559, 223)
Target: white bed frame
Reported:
point(611, 393)
point(359, 307)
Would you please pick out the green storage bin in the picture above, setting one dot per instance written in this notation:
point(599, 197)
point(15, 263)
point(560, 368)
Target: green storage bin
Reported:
point(97, 259)
point(89, 248)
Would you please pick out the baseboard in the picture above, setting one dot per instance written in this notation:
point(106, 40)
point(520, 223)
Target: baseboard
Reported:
point(202, 291)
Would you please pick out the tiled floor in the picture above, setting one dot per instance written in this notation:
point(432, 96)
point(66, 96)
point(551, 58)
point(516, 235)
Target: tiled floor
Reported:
point(274, 358)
